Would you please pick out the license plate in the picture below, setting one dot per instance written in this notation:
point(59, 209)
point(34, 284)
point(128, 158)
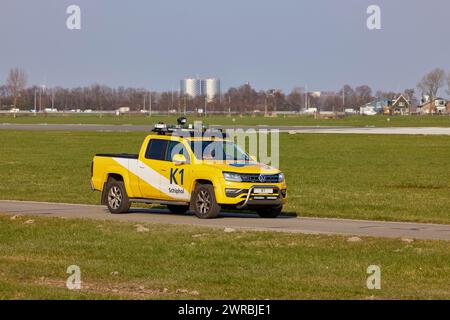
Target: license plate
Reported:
point(263, 190)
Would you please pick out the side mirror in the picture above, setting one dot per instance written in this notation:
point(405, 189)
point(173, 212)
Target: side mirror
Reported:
point(179, 159)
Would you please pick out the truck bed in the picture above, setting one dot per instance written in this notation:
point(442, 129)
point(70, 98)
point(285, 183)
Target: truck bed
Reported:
point(118, 155)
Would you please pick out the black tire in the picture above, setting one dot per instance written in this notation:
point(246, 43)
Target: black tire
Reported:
point(269, 212)
point(177, 209)
point(204, 203)
point(116, 197)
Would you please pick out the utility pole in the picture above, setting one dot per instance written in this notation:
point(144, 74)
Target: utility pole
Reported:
point(179, 101)
point(145, 95)
point(171, 103)
point(265, 104)
point(206, 104)
point(40, 99)
point(306, 97)
point(35, 101)
point(53, 99)
point(150, 104)
point(274, 103)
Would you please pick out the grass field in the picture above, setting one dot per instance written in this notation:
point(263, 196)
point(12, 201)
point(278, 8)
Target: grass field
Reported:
point(171, 262)
point(405, 178)
point(357, 121)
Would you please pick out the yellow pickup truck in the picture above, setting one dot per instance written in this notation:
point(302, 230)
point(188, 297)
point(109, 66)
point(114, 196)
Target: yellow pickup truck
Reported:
point(188, 172)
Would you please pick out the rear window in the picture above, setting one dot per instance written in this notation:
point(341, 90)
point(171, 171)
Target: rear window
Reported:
point(156, 150)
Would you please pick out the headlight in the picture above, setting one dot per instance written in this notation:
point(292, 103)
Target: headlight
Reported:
point(230, 176)
point(280, 177)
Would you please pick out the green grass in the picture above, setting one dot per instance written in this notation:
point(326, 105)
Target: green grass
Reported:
point(404, 178)
point(357, 121)
point(388, 177)
point(118, 262)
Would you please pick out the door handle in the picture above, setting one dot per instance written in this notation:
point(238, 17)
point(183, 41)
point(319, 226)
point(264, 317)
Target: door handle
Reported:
point(141, 164)
point(163, 168)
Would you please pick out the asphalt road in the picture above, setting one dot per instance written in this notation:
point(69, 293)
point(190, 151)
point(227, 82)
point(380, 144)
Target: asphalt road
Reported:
point(291, 129)
point(236, 221)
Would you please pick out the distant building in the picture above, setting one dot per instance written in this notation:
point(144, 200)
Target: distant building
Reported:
point(191, 87)
point(400, 105)
point(211, 88)
point(271, 92)
point(194, 87)
point(437, 106)
point(368, 110)
point(375, 106)
point(123, 110)
point(311, 110)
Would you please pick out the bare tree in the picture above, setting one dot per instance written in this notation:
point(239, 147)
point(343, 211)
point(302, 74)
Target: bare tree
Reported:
point(409, 94)
point(295, 100)
point(432, 82)
point(16, 83)
point(389, 95)
point(347, 95)
point(3, 95)
point(448, 83)
point(363, 95)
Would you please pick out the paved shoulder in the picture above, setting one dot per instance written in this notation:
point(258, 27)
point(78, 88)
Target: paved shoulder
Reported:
point(237, 221)
point(291, 129)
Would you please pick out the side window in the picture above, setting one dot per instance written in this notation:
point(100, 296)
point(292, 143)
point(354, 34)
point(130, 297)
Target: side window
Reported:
point(156, 149)
point(174, 148)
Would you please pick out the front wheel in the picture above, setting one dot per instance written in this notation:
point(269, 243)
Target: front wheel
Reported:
point(269, 212)
point(204, 202)
point(117, 198)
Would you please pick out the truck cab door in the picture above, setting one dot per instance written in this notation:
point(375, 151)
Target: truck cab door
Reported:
point(176, 176)
point(150, 168)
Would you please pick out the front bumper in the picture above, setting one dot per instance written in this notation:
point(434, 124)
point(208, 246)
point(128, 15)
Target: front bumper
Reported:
point(242, 195)
point(254, 198)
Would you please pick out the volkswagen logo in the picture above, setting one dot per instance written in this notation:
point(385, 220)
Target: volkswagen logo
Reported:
point(262, 178)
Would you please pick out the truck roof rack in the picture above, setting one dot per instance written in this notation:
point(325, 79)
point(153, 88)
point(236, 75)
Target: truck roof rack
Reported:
point(183, 129)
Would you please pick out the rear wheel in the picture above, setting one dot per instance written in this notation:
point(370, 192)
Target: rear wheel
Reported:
point(116, 197)
point(177, 209)
point(269, 212)
point(204, 202)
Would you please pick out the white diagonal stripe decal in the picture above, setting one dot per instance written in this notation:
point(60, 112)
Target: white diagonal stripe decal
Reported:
point(153, 178)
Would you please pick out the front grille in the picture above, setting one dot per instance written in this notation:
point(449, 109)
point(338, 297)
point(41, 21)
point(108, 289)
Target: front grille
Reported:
point(260, 178)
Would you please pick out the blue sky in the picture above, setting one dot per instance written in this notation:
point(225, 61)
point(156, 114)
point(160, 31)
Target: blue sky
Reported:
point(271, 44)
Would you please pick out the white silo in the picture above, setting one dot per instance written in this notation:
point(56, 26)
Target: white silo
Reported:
point(191, 87)
point(211, 88)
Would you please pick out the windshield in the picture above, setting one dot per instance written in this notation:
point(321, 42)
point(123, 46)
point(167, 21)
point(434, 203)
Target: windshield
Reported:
point(218, 150)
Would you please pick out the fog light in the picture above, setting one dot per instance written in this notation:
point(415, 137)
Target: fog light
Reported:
point(231, 192)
